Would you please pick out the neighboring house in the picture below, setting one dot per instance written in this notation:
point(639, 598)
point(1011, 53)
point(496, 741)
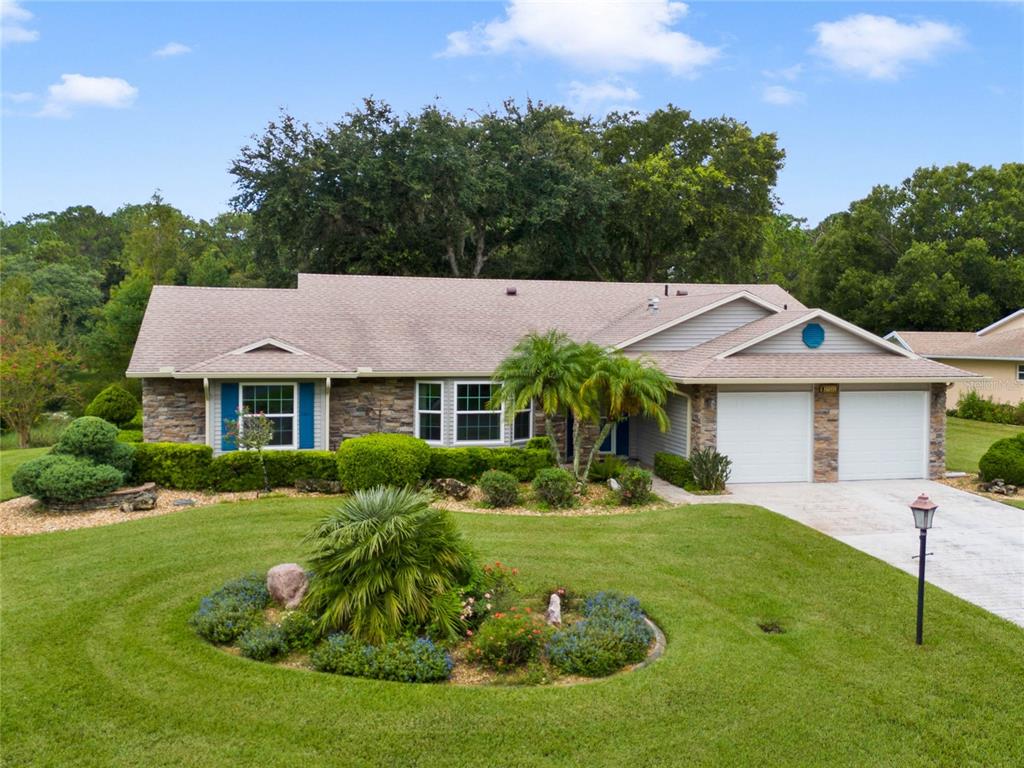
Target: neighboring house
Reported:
point(788, 393)
point(996, 352)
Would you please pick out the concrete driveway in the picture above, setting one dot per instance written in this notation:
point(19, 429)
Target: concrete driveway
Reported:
point(978, 544)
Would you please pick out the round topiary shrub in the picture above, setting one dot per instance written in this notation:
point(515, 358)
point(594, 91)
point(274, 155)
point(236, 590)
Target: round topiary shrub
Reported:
point(1004, 460)
point(88, 437)
point(500, 489)
point(382, 459)
point(635, 486)
point(114, 404)
point(555, 487)
point(64, 478)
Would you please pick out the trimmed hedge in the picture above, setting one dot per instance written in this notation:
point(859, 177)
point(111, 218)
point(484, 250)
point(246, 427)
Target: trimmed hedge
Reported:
point(1004, 460)
point(382, 459)
point(240, 470)
point(173, 465)
point(114, 404)
point(673, 468)
point(130, 436)
point(468, 464)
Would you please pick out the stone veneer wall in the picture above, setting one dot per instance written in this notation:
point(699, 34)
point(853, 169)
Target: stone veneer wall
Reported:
point(703, 416)
point(826, 435)
point(173, 411)
point(937, 433)
point(363, 406)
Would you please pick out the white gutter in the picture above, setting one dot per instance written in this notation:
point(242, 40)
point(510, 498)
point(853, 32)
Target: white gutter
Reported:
point(208, 423)
point(327, 414)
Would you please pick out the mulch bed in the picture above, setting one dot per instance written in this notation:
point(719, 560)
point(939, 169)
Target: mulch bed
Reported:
point(596, 501)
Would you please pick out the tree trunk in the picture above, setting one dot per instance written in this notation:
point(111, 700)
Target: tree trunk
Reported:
point(481, 250)
point(577, 445)
point(24, 435)
point(263, 466)
point(550, 432)
point(453, 262)
point(605, 431)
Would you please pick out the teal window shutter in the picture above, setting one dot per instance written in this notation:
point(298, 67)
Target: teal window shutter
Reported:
point(228, 412)
point(306, 421)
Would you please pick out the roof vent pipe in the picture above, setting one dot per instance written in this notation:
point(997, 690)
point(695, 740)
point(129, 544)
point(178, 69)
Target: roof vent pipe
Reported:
point(680, 292)
point(652, 304)
point(666, 289)
point(510, 291)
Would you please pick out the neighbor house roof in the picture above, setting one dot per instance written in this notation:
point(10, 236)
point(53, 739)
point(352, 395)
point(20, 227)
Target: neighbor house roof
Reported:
point(356, 325)
point(994, 342)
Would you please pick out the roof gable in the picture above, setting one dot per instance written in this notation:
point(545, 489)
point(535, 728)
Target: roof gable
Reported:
point(1013, 321)
point(787, 339)
point(702, 325)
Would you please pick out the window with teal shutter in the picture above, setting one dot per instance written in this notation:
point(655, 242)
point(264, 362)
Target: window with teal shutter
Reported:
point(228, 412)
point(306, 421)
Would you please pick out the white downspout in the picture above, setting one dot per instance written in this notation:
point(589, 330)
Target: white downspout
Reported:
point(327, 415)
point(209, 421)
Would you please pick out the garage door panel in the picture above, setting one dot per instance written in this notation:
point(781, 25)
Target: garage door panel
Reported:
point(883, 435)
point(767, 435)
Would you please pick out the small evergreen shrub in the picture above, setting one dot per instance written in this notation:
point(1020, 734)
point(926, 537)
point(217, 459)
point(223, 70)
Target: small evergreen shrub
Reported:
point(710, 469)
point(500, 489)
point(539, 443)
point(522, 463)
point(972, 406)
point(263, 643)
point(606, 468)
point(555, 487)
point(1005, 460)
point(612, 635)
point(88, 437)
point(403, 660)
point(635, 486)
point(62, 478)
point(299, 630)
point(173, 465)
point(510, 639)
point(114, 404)
point(130, 436)
point(225, 614)
point(673, 468)
point(382, 459)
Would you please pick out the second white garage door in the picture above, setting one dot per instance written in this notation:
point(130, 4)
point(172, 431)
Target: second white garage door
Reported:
point(767, 435)
point(883, 435)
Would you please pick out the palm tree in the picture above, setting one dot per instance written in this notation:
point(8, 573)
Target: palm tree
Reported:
point(383, 560)
point(619, 387)
point(546, 368)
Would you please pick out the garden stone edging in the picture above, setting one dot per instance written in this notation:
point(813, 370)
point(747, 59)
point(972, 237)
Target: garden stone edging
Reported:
point(141, 496)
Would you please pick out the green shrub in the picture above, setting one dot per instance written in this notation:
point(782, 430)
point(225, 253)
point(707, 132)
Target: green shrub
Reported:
point(380, 562)
point(114, 404)
point(263, 643)
point(173, 465)
point(710, 469)
point(500, 489)
point(972, 406)
point(539, 443)
point(1004, 460)
point(611, 635)
point(635, 486)
point(404, 660)
point(607, 467)
point(465, 464)
point(510, 639)
point(130, 436)
point(64, 478)
point(88, 437)
point(122, 458)
point(299, 630)
point(241, 471)
point(382, 459)
point(135, 423)
point(469, 463)
point(522, 463)
point(235, 608)
point(673, 469)
point(555, 487)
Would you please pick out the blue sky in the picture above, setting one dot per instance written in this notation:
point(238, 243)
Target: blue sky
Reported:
point(103, 103)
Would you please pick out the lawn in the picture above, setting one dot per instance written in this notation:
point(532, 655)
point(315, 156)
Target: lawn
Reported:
point(967, 441)
point(10, 461)
point(99, 666)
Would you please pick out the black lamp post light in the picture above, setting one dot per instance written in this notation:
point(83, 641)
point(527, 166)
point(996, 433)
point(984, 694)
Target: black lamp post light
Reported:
point(924, 512)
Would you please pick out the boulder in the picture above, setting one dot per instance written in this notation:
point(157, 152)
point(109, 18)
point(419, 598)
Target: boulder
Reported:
point(287, 584)
point(554, 612)
point(141, 501)
point(452, 488)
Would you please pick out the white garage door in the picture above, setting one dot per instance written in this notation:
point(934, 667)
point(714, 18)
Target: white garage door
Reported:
point(767, 435)
point(883, 435)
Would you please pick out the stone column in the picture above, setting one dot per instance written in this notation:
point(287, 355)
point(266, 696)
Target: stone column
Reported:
point(173, 411)
point(937, 432)
point(704, 417)
point(826, 433)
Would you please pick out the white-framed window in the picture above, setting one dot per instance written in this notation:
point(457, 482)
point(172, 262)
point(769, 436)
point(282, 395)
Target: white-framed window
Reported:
point(429, 402)
point(522, 425)
point(1020, 372)
point(278, 402)
point(474, 421)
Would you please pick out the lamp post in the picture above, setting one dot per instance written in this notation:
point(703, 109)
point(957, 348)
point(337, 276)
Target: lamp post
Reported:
point(924, 512)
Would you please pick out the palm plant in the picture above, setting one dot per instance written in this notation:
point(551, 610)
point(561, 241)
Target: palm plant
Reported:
point(619, 387)
point(383, 560)
point(546, 368)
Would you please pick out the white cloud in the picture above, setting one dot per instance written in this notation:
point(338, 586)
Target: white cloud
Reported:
point(20, 97)
point(172, 49)
point(781, 95)
point(788, 73)
point(880, 47)
point(83, 91)
point(13, 21)
point(608, 36)
point(601, 96)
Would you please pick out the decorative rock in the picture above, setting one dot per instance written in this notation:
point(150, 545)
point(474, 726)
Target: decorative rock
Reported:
point(141, 501)
point(554, 612)
point(119, 499)
point(450, 487)
point(183, 502)
point(315, 485)
point(614, 484)
point(287, 584)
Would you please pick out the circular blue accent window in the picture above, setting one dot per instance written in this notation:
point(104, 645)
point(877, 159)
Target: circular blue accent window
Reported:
point(813, 335)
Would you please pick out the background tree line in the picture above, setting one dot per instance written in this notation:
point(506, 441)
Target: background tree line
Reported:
point(527, 192)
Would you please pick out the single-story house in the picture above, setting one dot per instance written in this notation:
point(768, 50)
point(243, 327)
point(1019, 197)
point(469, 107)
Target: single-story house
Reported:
point(996, 352)
point(787, 392)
